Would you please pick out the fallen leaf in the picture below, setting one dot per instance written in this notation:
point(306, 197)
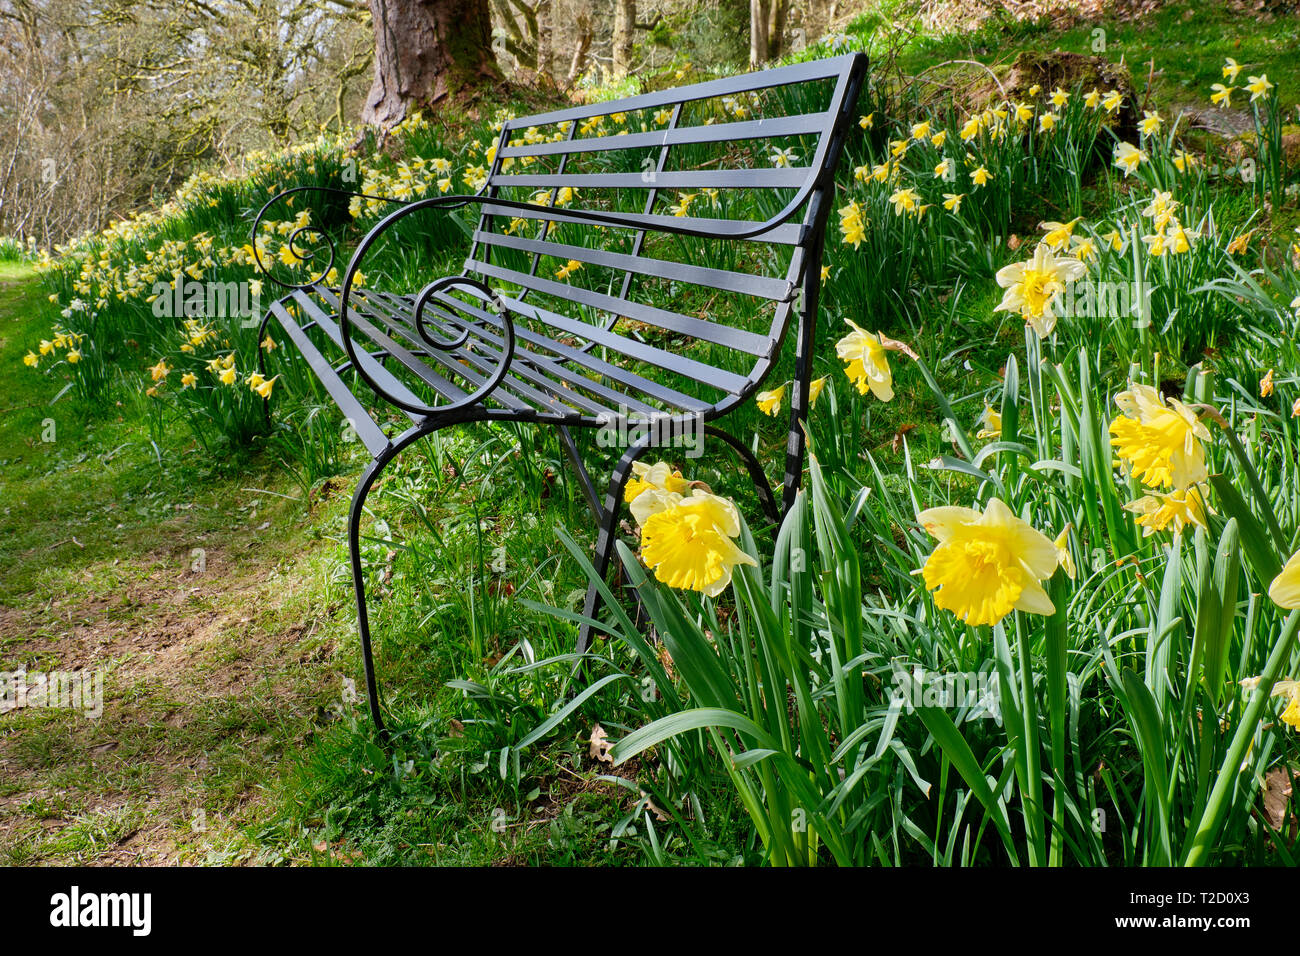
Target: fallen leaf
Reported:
point(600, 746)
point(1277, 794)
point(897, 443)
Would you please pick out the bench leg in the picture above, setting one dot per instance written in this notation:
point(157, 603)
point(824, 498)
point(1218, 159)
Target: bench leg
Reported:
point(354, 549)
point(803, 360)
point(607, 535)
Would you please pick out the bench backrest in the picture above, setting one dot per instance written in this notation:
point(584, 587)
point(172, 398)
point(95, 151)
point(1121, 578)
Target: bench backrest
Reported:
point(725, 186)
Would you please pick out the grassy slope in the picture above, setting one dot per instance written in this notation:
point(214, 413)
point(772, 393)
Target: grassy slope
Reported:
point(235, 674)
point(210, 677)
point(228, 732)
point(1179, 48)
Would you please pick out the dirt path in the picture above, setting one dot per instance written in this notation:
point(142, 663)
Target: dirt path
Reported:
point(208, 606)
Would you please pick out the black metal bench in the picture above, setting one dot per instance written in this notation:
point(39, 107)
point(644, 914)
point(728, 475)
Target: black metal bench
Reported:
point(637, 192)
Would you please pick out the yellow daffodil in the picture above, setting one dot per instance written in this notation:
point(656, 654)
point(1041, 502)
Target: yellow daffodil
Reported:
point(228, 376)
point(1151, 123)
point(189, 380)
point(987, 565)
point(1063, 556)
point(264, 388)
point(1230, 70)
point(905, 201)
point(783, 158)
point(769, 402)
point(1289, 689)
point(1183, 160)
point(868, 121)
point(867, 366)
point(814, 389)
point(1113, 101)
point(1033, 90)
point(1024, 112)
point(31, 359)
point(1128, 157)
point(1083, 248)
point(1179, 508)
point(1180, 239)
point(1161, 209)
point(971, 129)
point(73, 356)
point(1032, 287)
point(1059, 97)
point(1057, 234)
point(566, 270)
point(690, 544)
point(921, 130)
point(944, 169)
point(1047, 122)
point(826, 273)
point(1093, 99)
point(991, 423)
point(939, 138)
point(1222, 95)
point(952, 201)
point(1258, 86)
point(1159, 440)
point(1266, 385)
point(1157, 244)
point(160, 370)
point(660, 475)
point(980, 176)
point(852, 225)
point(1284, 591)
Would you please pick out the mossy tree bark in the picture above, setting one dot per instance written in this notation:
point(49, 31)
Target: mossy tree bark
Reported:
point(427, 51)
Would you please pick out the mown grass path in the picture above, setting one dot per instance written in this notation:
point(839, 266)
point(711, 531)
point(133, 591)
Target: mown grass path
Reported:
point(196, 595)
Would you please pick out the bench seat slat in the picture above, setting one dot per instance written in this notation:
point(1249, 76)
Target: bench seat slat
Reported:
point(796, 125)
point(368, 363)
point(367, 429)
point(634, 383)
point(520, 381)
point(670, 361)
point(413, 363)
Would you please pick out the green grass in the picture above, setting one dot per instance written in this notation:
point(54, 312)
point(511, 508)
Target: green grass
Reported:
point(234, 729)
point(1181, 46)
point(228, 735)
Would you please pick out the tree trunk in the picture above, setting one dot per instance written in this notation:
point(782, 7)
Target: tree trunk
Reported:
point(624, 24)
point(759, 21)
point(780, 10)
point(426, 51)
point(583, 25)
point(544, 38)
